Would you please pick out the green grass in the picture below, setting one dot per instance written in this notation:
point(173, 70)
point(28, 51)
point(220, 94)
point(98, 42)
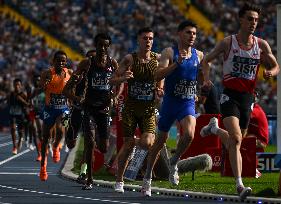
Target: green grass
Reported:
point(211, 182)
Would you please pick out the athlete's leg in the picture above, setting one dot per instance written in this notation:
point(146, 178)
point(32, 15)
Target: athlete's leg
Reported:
point(188, 126)
point(58, 137)
point(13, 134)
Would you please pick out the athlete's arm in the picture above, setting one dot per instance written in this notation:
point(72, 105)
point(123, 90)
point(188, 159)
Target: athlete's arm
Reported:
point(45, 79)
point(219, 49)
point(113, 80)
point(268, 59)
point(164, 67)
point(22, 97)
point(123, 73)
point(76, 76)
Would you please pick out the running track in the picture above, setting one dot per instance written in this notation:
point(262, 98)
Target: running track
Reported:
point(19, 183)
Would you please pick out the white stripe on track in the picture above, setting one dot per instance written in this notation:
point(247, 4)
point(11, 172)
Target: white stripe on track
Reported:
point(15, 156)
point(5, 144)
point(68, 196)
point(24, 173)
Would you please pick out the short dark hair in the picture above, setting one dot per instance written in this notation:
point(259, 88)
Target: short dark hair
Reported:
point(89, 52)
point(103, 36)
point(249, 7)
point(59, 52)
point(186, 23)
point(144, 30)
point(17, 80)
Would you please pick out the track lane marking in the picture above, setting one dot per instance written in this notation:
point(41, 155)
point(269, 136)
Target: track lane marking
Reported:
point(15, 156)
point(68, 196)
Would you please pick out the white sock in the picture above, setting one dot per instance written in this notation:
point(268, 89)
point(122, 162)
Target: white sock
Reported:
point(239, 182)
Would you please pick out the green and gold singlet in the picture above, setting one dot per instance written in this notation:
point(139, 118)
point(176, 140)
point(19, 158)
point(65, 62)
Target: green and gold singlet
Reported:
point(139, 107)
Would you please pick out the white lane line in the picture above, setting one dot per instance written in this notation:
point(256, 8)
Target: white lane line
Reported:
point(68, 196)
point(26, 173)
point(15, 156)
point(5, 144)
point(5, 203)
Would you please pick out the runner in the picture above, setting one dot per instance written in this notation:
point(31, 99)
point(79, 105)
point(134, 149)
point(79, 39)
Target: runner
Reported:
point(37, 100)
point(75, 123)
point(97, 100)
point(138, 70)
point(179, 66)
point(17, 102)
point(53, 81)
point(243, 53)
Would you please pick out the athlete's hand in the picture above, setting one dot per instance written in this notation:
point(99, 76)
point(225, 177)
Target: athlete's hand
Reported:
point(182, 56)
point(128, 74)
point(159, 92)
point(267, 74)
point(207, 84)
point(48, 78)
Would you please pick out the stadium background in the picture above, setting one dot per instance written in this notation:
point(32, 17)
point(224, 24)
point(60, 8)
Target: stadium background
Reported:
point(30, 32)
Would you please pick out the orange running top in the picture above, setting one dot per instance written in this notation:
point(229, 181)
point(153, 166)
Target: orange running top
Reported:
point(56, 85)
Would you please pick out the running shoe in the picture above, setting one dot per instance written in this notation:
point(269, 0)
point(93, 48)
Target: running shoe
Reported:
point(146, 187)
point(244, 192)
point(14, 151)
point(43, 173)
point(87, 186)
point(81, 178)
point(173, 175)
point(31, 147)
point(56, 154)
point(119, 187)
point(39, 157)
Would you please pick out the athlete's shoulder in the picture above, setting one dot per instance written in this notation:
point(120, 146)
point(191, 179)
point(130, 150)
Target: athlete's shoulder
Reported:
point(70, 71)
point(128, 59)
point(227, 40)
point(200, 54)
point(46, 73)
point(168, 52)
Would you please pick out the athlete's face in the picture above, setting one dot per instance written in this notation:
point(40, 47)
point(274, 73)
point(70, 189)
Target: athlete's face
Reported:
point(146, 41)
point(249, 22)
point(102, 46)
point(60, 61)
point(188, 35)
point(17, 86)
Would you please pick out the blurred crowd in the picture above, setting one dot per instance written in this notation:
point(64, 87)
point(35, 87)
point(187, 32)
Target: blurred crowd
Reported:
point(76, 22)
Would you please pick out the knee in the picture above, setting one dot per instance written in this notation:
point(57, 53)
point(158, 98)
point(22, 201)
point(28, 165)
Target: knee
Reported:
point(147, 140)
point(188, 135)
point(235, 140)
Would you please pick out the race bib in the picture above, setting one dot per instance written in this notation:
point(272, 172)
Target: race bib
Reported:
point(16, 110)
point(141, 91)
point(58, 101)
point(100, 81)
point(244, 67)
point(185, 89)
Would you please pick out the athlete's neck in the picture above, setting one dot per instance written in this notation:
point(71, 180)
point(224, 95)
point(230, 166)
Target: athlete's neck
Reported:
point(187, 48)
point(144, 54)
point(245, 39)
point(101, 59)
point(58, 70)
